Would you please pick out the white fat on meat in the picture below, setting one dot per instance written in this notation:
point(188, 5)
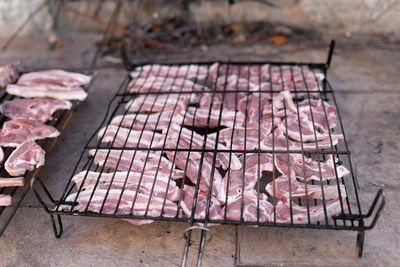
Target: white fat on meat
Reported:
point(11, 182)
point(183, 71)
point(298, 189)
point(254, 165)
point(15, 132)
point(162, 85)
point(60, 77)
point(300, 213)
point(140, 204)
point(216, 211)
point(39, 109)
point(1, 155)
point(202, 117)
point(158, 103)
point(8, 74)
point(154, 121)
point(308, 168)
point(123, 137)
point(147, 184)
point(26, 157)
point(5, 200)
point(282, 74)
point(256, 207)
point(146, 162)
point(323, 114)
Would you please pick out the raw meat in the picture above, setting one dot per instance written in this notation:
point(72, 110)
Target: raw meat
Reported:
point(182, 71)
point(55, 77)
point(311, 167)
point(1, 155)
point(319, 109)
point(298, 189)
point(25, 157)
point(47, 90)
point(199, 117)
point(216, 211)
point(130, 181)
point(155, 121)
point(253, 166)
point(8, 74)
point(39, 109)
point(158, 103)
point(163, 85)
point(135, 160)
point(256, 207)
point(5, 200)
point(16, 131)
point(9, 182)
point(120, 137)
point(300, 213)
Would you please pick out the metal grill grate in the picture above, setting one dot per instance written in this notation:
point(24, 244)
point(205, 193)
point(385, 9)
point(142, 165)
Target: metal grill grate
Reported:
point(350, 218)
point(60, 121)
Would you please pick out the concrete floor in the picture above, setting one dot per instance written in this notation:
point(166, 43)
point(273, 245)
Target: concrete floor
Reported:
point(366, 81)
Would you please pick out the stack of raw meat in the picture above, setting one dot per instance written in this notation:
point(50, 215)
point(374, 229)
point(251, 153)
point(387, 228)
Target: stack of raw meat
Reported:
point(212, 130)
point(28, 116)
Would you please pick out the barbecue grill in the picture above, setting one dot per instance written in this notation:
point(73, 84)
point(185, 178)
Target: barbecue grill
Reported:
point(60, 120)
point(353, 218)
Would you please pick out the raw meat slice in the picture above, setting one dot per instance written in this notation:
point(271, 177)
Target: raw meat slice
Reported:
point(163, 84)
point(9, 182)
point(236, 142)
point(47, 90)
point(253, 166)
point(122, 137)
point(319, 109)
point(298, 189)
point(16, 131)
point(278, 141)
point(242, 71)
point(5, 200)
point(135, 160)
point(154, 121)
point(198, 117)
point(25, 157)
point(142, 204)
point(256, 207)
point(1, 155)
point(39, 109)
point(8, 74)
point(183, 71)
point(55, 77)
point(286, 73)
point(300, 213)
point(216, 211)
point(158, 103)
point(147, 184)
point(311, 167)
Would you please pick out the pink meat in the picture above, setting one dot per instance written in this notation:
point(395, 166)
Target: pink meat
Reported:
point(26, 157)
point(120, 137)
point(298, 189)
point(183, 71)
point(311, 168)
point(198, 117)
point(8, 74)
point(15, 132)
point(158, 103)
point(163, 84)
point(56, 77)
point(5, 200)
point(15, 181)
point(39, 109)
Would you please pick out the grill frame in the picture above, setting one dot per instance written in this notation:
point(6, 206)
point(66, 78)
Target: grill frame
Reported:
point(351, 221)
point(60, 121)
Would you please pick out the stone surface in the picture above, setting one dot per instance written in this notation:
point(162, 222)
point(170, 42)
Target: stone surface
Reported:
point(366, 80)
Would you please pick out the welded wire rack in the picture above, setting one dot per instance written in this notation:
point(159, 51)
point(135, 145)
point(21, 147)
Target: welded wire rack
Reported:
point(60, 121)
point(106, 199)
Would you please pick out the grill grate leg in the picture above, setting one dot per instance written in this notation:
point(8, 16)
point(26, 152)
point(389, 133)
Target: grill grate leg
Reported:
point(187, 234)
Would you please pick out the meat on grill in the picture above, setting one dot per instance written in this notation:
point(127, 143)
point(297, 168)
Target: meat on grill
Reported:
point(15, 132)
point(146, 162)
point(298, 189)
point(183, 71)
point(323, 114)
point(216, 211)
point(120, 137)
point(56, 77)
point(201, 117)
point(154, 121)
point(256, 207)
point(163, 85)
point(158, 103)
point(39, 109)
point(254, 165)
point(8, 74)
point(9, 182)
point(139, 204)
point(5, 200)
point(300, 213)
point(147, 184)
point(26, 157)
point(1, 155)
point(311, 168)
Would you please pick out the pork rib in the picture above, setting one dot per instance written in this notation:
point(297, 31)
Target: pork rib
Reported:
point(155, 121)
point(26, 157)
point(8, 74)
point(183, 71)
